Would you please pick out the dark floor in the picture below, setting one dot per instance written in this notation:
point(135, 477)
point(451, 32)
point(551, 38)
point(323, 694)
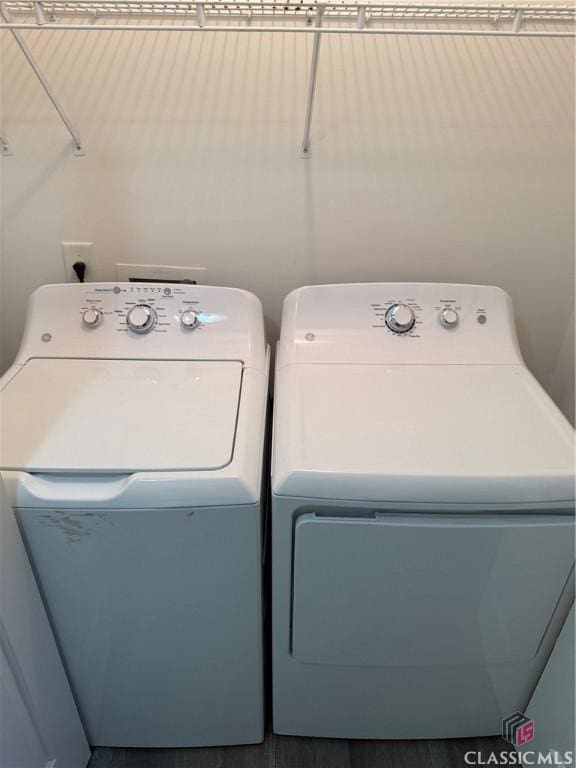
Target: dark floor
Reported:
point(292, 752)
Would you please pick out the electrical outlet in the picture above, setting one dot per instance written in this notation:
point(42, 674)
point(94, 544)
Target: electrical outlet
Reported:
point(73, 252)
point(127, 273)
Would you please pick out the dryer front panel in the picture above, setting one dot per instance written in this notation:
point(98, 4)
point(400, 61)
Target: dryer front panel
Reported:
point(426, 590)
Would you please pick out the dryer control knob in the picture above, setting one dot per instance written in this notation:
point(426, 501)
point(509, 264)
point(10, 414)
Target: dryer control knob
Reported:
point(92, 317)
point(400, 318)
point(189, 319)
point(141, 318)
point(449, 318)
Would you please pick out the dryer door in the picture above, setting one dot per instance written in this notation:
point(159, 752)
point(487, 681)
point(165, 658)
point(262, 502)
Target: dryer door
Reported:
point(411, 590)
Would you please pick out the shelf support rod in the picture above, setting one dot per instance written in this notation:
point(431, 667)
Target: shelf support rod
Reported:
point(361, 20)
point(39, 13)
point(305, 151)
point(517, 21)
point(5, 146)
point(76, 142)
point(200, 15)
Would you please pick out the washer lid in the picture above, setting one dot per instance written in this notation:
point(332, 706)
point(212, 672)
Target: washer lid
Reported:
point(420, 433)
point(120, 416)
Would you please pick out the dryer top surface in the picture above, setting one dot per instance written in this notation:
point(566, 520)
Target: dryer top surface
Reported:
point(420, 433)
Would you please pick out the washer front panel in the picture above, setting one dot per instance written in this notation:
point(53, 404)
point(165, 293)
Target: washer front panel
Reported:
point(157, 613)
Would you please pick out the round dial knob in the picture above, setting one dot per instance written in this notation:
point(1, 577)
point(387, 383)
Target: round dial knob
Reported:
point(449, 317)
point(141, 318)
point(189, 319)
point(92, 317)
point(400, 318)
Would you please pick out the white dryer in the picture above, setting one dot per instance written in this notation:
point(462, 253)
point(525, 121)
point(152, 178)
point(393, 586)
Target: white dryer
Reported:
point(132, 450)
point(422, 514)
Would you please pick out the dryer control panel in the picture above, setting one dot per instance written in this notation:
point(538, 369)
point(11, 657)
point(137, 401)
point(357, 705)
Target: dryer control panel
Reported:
point(143, 321)
point(399, 323)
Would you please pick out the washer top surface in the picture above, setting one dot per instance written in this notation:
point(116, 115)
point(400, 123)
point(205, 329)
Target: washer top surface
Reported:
point(120, 416)
point(436, 415)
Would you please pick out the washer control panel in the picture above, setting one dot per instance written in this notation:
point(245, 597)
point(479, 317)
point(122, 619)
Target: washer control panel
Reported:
point(150, 320)
point(141, 308)
point(400, 323)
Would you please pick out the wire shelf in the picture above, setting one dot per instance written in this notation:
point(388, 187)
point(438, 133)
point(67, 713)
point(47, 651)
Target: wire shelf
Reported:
point(315, 17)
point(335, 10)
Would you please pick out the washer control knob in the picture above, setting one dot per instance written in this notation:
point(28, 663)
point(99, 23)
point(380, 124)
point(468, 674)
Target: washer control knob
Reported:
point(189, 319)
point(400, 318)
point(92, 317)
point(449, 318)
point(141, 318)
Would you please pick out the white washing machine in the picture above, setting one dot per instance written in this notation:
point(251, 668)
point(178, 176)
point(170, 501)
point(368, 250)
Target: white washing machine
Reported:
point(132, 449)
point(422, 514)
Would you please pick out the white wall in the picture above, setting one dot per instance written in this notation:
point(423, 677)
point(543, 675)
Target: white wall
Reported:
point(433, 159)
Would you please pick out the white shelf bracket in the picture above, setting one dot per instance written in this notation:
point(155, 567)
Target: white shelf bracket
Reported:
point(517, 23)
point(76, 142)
point(361, 20)
point(200, 15)
point(39, 13)
point(5, 146)
point(305, 151)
